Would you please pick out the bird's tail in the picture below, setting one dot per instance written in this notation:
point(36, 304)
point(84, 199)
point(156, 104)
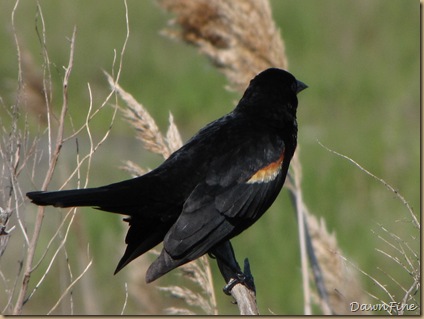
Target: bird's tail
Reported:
point(70, 198)
point(123, 197)
point(150, 219)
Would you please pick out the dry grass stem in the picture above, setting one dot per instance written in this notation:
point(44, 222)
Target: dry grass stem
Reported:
point(401, 253)
point(147, 131)
point(94, 146)
point(296, 192)
point(125, 301)
point(47, 81)
point(133, 168)
point(150, 301)
point(173, 311)
point(68, 289)
point(22, 154)
point(342, 284)
point(173, 137)
point(408, 260)
point(4, 233)
point(239, 37)
point(52, 165)
point(382, 181)
point(71, 213)
point(182, 293)
point(378, 283)
point(200, 274)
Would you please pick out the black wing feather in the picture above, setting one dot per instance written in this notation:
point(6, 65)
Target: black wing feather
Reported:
point(222, 205)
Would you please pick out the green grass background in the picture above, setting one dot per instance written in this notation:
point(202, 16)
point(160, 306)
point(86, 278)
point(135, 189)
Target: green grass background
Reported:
point(361, 62)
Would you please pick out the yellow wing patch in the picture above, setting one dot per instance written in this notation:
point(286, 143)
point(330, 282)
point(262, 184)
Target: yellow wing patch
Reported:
point(267, 173)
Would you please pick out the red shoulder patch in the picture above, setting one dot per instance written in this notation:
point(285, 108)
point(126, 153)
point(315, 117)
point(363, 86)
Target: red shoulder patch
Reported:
point(267, 173)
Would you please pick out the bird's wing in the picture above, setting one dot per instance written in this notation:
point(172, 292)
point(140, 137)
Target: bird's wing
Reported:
point(238, 188)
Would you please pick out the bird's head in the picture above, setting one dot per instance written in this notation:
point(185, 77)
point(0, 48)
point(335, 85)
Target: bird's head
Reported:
point(272, 90)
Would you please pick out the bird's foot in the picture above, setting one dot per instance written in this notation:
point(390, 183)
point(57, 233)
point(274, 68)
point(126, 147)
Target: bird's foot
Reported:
point(245, 278)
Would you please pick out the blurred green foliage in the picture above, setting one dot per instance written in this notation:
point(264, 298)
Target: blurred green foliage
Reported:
point(361, 61)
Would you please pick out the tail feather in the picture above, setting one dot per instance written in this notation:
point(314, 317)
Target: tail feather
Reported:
point(126, 197)
point(162, 265)
point(147, 239)
point(69, 198)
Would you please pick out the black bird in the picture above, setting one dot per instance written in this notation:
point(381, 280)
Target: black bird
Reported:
point(214, 187)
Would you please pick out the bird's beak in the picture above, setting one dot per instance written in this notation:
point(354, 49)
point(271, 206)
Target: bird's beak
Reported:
point(300, 86)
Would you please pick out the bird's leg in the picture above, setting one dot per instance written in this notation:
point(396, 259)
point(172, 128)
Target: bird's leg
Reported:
point(230, 269)
point(245, 278)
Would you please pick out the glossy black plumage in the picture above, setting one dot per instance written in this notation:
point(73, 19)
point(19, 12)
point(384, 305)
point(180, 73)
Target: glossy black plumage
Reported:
point(211, 189)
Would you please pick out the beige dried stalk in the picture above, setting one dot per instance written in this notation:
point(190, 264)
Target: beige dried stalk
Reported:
point(144, 124)
point(28, 268)
point(26, 153)
point(239, 37)
point(397, 251)
point(341, 281)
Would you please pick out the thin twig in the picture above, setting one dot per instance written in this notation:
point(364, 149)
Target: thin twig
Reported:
point(209, 286)
point(388, 186)
point(70, 287)
point(126, 299)
point(53, 160)
point(382, 286)
point(307, 310)
point(414, 287)
point(246, 300)
point(47, 83)
point(62, 243)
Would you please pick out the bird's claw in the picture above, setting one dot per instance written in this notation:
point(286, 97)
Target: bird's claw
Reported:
point(230, 285)
point(245, 279)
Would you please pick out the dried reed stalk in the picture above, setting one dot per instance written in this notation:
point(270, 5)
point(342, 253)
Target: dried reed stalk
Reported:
point(28, 268)
point(239, 37)
point(19, 153)
point(397, 251)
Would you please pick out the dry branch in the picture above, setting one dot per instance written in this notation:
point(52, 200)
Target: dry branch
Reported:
point(20, 152)
point(246, 300)
point(52, 165)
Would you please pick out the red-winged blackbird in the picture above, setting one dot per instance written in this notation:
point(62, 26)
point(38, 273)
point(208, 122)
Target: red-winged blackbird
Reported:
point(211, 189)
